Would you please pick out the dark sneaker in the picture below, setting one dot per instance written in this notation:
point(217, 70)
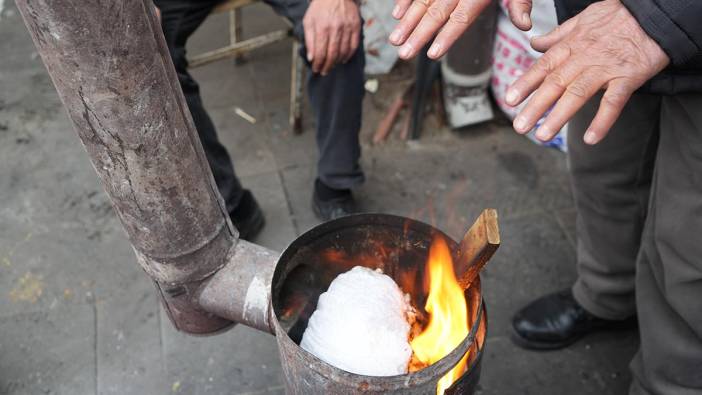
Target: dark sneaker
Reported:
point(248, 217)
point(329, 204)
point(557, 320)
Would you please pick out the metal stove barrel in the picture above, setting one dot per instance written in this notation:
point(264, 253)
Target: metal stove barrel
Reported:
point(300, 268)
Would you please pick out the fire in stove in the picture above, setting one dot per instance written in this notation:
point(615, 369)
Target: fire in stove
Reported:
point(365, 324)
point(382, 304)
point(448, 316)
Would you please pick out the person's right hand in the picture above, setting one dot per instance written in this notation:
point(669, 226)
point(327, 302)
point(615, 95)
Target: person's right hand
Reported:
point(332, 33)
point(602, 48)
point(420, 20)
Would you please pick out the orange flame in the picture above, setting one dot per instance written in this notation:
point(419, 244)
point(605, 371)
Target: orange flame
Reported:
point(448, 314)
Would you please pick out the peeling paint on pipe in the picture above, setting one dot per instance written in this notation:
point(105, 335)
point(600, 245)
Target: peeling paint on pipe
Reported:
point(241, 290)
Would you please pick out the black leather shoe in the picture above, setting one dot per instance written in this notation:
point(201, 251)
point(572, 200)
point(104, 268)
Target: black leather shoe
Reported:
point(328, 209)
point(248, 216)
point(557, 320)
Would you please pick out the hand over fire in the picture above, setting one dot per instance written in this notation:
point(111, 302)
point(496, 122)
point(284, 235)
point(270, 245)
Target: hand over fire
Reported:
point(332, 33)
point(420, 20)
point(602, 47)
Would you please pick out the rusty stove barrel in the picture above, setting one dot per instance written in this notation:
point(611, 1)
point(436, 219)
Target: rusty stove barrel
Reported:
point(400, 247)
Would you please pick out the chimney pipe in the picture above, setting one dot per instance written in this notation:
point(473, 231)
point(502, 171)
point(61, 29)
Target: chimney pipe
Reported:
point(110, 65)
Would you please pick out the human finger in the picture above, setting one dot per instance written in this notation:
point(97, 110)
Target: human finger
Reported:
point(345, 47)
point(532, 79)
point(355, 41)
point(553, 87)
point(401, 7)
point(332, 51)
point(436, 16)
point(409, 21)
point(520, 13)
point(309, 40)
point(460, 19)
point(320, 50)
point(578, 92)
point(613, 101)
point(545, 42)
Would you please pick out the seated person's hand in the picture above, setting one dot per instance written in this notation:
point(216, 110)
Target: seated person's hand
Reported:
point(332, 33)
point(603, 47)
point(420, 20)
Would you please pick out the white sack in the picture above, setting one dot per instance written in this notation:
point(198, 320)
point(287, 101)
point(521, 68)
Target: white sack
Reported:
point(360, 325)
point(513, 55)
point(377, 25)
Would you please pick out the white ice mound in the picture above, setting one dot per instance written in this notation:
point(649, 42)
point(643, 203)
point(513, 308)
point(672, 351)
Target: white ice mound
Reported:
point(360, 325)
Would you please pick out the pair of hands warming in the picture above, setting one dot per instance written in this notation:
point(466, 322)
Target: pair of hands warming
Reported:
point(603, 47)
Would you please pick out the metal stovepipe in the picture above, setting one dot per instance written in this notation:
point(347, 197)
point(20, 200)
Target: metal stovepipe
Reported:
point(111, 67)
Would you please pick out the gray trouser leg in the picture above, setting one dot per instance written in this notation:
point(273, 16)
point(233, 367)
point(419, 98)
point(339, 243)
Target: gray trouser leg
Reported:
point(611, 184)
point(669, 267)
point(337, 100)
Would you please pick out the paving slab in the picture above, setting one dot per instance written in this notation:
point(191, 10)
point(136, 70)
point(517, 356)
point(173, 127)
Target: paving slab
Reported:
point(290, 149)
point(129, 354)
point(567, 219)
point(537, 259)
point(48, 352)
point(242, 360)
point(299, 184)
point(279, 230)
point(246, 142)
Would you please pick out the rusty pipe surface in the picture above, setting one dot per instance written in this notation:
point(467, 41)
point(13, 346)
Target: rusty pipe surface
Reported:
point(110, 65)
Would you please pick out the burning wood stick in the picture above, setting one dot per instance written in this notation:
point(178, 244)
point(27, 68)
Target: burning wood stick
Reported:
point(477, 247)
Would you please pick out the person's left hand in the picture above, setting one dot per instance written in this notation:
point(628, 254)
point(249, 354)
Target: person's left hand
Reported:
point(420, 20)
point(602, 47)
point(332, 33)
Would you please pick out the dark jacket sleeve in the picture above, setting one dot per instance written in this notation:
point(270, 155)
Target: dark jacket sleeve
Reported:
point(676, 25)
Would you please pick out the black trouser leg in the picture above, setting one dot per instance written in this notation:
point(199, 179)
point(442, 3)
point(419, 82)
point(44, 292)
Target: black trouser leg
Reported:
point(179, 19)
point(337, 100)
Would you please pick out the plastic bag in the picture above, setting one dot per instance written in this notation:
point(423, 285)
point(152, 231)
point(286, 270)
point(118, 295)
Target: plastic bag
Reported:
point(513, 55)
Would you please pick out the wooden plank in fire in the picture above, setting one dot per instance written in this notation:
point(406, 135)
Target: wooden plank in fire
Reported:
point(477, 247)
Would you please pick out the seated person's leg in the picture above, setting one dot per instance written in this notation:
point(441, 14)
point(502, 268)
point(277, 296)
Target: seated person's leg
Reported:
point(179, 19)
point(337, 100)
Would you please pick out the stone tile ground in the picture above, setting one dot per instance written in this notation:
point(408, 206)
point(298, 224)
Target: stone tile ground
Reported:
point(77, 315)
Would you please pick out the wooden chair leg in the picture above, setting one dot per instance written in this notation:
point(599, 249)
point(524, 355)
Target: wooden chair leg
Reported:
point(296, 82)
point(235, 32)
